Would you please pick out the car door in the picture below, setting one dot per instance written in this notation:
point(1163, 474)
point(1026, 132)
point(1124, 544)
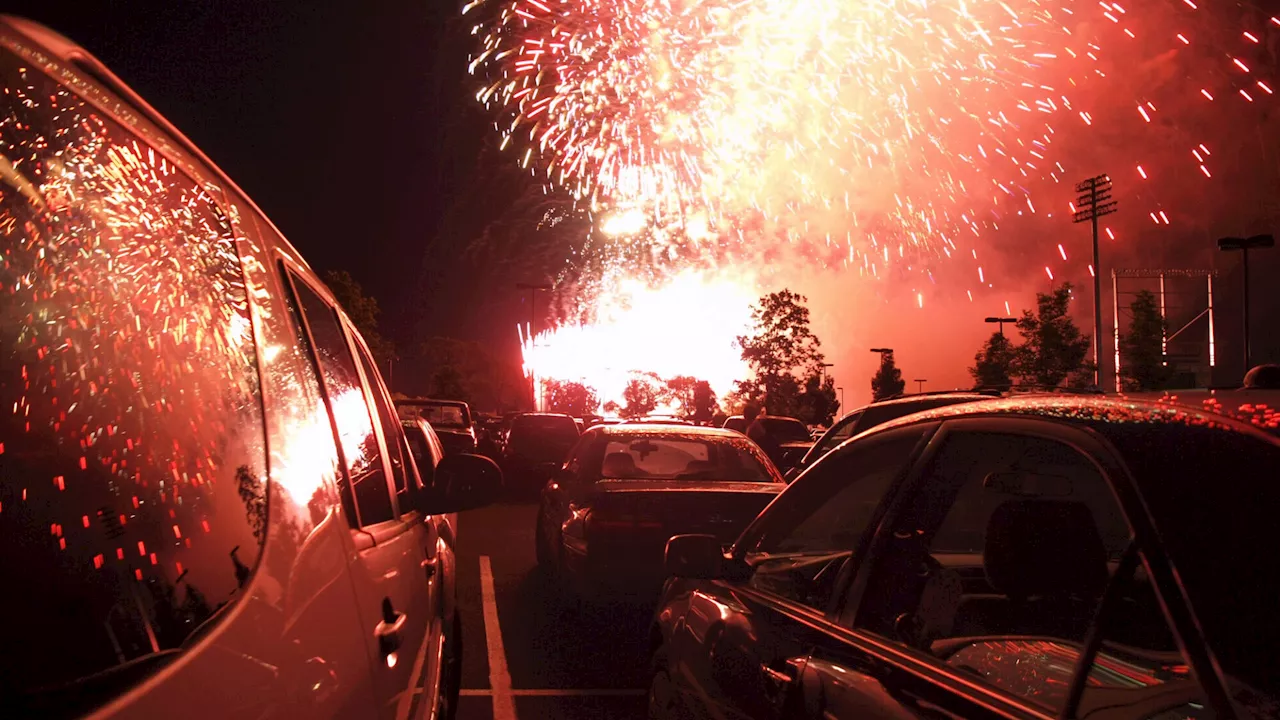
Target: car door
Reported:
point(742, 643)
point(981, 593)
point(391, 570)
point(561, 492)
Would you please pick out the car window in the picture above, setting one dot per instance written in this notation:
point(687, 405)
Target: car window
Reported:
point(657, 457)
point(366, 478)
point(838, 434)
point(392, 435)
point(1005, 537)
point(812, 529)
point(133, 492)
point(786, 429)
point(438, 414)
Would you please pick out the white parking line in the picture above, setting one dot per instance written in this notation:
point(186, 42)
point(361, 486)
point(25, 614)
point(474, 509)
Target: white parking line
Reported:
point(504, 706)
point(554, 692)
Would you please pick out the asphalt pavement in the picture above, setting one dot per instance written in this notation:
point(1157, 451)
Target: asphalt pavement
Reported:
point(530, 650)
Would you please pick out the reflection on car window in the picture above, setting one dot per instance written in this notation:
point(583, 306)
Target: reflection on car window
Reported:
point(439, 415)
point(386, 414)
point(351, 412)
point(998, 560)
point(132, 494)
point(820, 521)
point(657, 457)
point(843, 431)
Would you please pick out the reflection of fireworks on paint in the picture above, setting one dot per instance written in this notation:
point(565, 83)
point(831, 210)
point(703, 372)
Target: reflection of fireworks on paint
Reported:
point(881, 135)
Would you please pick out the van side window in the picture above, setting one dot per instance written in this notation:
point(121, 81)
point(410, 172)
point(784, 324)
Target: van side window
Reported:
point(366, 477)
point(391, 430)
point(133, 479)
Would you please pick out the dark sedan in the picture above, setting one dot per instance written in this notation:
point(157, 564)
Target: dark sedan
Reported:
point(607, 513)
point(535, 441)
point(1031, 558)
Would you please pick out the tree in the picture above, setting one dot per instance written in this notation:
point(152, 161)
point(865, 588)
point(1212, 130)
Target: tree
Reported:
point(679, 391)
point(817, 405)
point(993, 365)
point(887, 381)
point(780, 350)
point(363, 311)
point(1144, 365)
point(640, 398)
point(446, 384)
point(571, 398)
point(1053, 348)
point(705, 407)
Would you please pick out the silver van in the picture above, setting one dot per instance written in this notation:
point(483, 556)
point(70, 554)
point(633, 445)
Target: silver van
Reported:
point(208, 507)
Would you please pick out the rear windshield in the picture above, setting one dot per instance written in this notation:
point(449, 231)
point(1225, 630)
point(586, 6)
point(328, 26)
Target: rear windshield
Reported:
point(786, 429)
point(547, 426)
point(438, 414)
point(1214, 497)
point(683, 458)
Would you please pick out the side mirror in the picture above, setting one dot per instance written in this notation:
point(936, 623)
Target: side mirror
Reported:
point(694, 556)
point(465, 482)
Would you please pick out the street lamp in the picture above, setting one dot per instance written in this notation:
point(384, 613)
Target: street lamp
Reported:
point(1244, 245)
point(920, 384)
point(841, 398)
point(1001, 321)
point(824, 371)
point(882, 351)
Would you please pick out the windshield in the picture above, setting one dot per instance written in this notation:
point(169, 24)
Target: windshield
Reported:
point(786, 429)
point(653, 457)
point(440, 415)
point(1213, 495)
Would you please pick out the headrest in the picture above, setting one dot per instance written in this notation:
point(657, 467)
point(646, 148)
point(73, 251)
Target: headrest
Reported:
point(1044, 548)
point(618, 465)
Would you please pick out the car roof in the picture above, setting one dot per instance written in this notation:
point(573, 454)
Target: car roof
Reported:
point(430, 401)
point(1100, 413)
point(544, 414)
point(659, 428)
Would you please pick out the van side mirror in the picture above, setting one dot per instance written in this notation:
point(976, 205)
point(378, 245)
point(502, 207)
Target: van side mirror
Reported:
point(694, 556)
point(464, 482)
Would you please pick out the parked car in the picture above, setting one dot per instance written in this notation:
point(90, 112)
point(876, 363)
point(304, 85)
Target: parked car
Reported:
point(1038, 557)
point(534, 440)
point(451, 419)
point(205, 501)
point(737, 423)
point(607, 512)
point(784, 439)
point(869, 416)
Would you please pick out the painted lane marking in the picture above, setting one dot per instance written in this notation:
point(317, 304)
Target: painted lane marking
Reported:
point(504, 707)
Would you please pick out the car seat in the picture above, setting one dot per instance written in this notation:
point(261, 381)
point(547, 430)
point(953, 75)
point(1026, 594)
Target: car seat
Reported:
point(618, 465)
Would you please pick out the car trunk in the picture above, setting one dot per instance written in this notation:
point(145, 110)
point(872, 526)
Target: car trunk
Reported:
point(631, 520)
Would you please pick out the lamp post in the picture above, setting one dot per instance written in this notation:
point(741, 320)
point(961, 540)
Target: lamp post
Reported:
point(533, 304)
point(1001, 321)
point(919, 384)
point(841, 390)
point(824, 371)
point(1244, 245)
point(883, 352)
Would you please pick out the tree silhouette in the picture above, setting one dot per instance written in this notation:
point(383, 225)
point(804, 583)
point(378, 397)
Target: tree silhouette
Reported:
point(1142, 347)
point(1053, 348)
point(640, 397)
point(705, 406)
point(993, 365)
point(887, 381)
point(817, 404)
point(571, 398)
point(363, 311)
point(781, 351)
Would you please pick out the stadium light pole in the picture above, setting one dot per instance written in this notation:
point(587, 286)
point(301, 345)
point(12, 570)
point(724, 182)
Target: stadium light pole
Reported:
point(841, 398)
point(1244, 245)
point(1094, 202)
point(1001, 321)
point(824, 371)
point(920, 384)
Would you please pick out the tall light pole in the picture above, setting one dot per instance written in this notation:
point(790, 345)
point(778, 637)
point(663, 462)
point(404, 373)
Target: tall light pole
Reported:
point(1001, 321)
point(919, 384)
point(824, 371)
point(841, 398)
point(1244, 245)
point(1094, 202)
point(533, 304)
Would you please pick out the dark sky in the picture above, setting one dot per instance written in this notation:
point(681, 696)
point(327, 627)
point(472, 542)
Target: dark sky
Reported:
point(350, 124)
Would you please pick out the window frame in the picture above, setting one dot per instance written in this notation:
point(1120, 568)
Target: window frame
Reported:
point(372, 388)
point(365, 535)
point(751, 536)
point(1143, 539)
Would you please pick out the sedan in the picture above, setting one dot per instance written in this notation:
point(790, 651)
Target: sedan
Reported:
point(1029, 558)
point(606, 514)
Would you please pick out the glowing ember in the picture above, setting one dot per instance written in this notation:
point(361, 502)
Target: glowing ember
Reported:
point(688, 326)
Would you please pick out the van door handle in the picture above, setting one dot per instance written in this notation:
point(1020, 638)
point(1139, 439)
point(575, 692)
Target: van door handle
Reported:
point(388, 631)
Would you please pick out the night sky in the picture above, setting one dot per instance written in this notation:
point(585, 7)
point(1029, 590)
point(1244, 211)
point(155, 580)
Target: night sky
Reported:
point(351, 124)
